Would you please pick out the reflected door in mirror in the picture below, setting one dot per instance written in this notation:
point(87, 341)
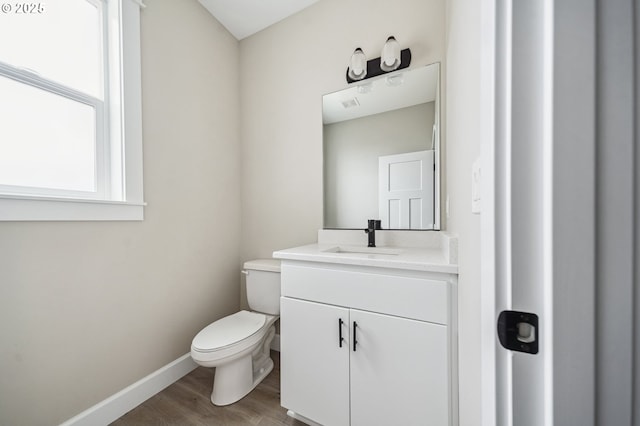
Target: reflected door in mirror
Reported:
point(406, 190)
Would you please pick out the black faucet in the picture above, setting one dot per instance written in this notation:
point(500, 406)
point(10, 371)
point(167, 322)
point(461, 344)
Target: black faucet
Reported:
point(373, 224)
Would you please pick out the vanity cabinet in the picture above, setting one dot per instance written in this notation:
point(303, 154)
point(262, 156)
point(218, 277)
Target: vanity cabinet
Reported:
point(365, 346)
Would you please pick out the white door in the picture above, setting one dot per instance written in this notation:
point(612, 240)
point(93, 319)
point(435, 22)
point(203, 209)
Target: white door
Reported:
point(406, 190)
point(399, 371)
point(315, 364)
point(559, 237)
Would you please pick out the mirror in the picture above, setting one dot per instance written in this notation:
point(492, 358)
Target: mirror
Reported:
point(381, 140)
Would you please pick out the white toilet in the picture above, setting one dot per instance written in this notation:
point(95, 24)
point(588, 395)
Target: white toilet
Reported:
point(238, 345)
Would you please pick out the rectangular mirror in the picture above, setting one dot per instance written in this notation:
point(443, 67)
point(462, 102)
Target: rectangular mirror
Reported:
point(381, 148)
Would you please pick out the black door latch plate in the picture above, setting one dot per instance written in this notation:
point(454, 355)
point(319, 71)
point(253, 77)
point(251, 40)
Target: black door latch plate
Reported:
point(518, 331)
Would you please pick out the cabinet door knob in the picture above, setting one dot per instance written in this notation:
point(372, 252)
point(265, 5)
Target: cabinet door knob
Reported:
point(340, 338)
point(355, 340)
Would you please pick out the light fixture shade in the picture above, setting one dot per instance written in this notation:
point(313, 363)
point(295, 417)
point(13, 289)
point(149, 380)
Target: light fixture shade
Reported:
point(395, 80)
point(390, 57)
point(358, 65)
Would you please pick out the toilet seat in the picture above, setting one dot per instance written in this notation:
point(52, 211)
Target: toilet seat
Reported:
point(229, 335)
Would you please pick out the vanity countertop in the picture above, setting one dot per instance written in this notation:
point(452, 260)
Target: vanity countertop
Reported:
point(427, 259)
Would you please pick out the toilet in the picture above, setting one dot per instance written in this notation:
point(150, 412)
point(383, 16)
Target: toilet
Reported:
point(239, 345)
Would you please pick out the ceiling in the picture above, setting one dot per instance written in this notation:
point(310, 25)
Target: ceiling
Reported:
point(246, 17)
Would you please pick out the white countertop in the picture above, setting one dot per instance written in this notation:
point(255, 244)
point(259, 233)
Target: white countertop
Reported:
point(428, 259)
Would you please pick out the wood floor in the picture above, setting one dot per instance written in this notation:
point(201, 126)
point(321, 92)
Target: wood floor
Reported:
point(187, 402)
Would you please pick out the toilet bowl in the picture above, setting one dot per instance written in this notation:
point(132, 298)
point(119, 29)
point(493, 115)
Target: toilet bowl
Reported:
point(239, 345)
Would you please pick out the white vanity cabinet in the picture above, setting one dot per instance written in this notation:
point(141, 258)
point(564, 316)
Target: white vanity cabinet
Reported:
point(366, 346)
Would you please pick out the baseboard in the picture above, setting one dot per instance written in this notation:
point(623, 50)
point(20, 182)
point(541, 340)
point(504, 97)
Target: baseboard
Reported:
point(130, 397)
point(275, 343)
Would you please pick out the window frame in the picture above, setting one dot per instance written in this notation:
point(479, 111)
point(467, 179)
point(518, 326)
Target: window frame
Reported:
point(102, 140)
point(119, 195)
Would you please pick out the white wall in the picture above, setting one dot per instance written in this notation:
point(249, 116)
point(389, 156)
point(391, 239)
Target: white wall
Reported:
point(86, 309)
point(462, 91)
point(285, 70)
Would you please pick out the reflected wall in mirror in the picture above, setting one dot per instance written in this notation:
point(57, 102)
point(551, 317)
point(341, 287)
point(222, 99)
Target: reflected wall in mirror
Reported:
point(381, 141)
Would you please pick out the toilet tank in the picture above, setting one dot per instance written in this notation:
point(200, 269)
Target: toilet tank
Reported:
point(263, 285)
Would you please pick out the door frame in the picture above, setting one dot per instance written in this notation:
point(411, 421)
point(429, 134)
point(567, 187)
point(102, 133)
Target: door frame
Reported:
point(488, 212)
point(568, 194)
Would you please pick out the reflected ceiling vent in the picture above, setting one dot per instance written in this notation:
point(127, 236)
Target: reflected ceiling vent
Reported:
point(350, 103)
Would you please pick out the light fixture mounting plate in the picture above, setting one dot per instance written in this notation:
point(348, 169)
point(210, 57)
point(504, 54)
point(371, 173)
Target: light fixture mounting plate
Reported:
point(374, 70)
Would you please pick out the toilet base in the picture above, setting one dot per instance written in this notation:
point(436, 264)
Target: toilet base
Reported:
point(234, 380)
point(231, 382)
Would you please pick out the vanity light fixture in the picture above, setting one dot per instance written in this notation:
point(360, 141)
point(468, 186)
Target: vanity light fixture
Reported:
point(358, 66)
point(391, 59)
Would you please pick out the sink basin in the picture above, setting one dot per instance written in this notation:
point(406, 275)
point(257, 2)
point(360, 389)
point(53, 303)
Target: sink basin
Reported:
point(363, 250)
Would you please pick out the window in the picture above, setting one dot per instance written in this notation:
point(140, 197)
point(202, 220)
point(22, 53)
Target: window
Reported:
point(70, 139)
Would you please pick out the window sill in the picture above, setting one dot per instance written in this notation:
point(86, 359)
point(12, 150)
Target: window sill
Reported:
point(24, 208)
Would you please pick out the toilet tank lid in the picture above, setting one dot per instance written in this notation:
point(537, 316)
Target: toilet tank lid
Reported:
point(269, 265)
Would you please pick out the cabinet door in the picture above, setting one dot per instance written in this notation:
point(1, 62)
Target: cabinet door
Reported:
point(399, 372)
point(314, 369)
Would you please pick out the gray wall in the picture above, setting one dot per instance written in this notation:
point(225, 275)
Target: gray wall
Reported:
point(617, 247)
point(87, 309)
point(351, 151)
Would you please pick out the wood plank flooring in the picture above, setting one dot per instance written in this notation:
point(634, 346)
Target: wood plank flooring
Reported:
point(187, 402)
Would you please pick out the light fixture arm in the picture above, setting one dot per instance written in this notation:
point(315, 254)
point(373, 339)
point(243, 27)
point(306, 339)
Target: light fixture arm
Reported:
point(374, 70)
